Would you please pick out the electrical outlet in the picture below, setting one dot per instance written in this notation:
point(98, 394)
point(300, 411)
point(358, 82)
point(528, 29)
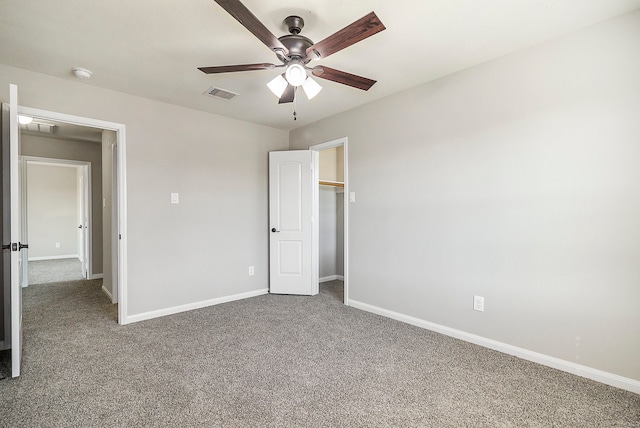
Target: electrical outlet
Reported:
point(478, 303)
point(251, 271)
point(57, 245)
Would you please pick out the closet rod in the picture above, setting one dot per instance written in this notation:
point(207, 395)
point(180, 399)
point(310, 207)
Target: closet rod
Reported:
point(330, 183)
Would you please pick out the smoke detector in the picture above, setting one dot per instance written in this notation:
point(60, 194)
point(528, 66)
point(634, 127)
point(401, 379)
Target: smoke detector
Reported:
point(81, 73)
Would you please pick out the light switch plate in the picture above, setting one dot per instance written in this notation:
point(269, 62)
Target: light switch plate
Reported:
point(352, 196)
point(175, 198)
point(478, 303)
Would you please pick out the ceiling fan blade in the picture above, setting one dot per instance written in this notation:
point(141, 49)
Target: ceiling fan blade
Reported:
point(244, 16)
point(342, 77)
point(364, 27)
point(231, 68)
point(288, 95)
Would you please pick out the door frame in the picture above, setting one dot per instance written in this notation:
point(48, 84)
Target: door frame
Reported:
point(344, 142)
point(85, 167)
point(120, 193)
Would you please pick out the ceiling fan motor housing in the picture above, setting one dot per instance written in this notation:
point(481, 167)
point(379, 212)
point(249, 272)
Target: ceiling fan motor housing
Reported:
point(294, 42)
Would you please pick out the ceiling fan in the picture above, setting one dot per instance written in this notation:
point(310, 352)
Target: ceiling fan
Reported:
point(295, 51)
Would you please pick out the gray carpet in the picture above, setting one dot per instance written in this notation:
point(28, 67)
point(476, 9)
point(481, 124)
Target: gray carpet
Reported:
point(281, 361)
point(59, 270)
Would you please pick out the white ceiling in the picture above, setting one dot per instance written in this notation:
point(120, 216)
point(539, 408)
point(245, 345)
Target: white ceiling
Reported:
point(151, 48)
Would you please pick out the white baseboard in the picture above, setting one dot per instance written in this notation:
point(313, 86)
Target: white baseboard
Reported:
point(107, 292)
point(331, 278)
point(191, 306)
point(67, 256)
point(97, 276)
point(546, 360)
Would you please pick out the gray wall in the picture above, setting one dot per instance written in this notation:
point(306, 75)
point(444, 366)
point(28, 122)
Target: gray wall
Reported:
point(516, 180)
point(331, 212)
point(201, 248)
point(327, 231)
point(52, 210)
point(72, 150)
point(339, 233)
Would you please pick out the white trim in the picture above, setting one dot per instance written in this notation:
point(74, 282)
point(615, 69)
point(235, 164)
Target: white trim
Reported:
point(97, 276)
point(107, 292)
point(344, 142)
point(196, 305)
point(546, 360)
point(66, 256)
point(121, 232)
point(121, 190)
point(331, 278)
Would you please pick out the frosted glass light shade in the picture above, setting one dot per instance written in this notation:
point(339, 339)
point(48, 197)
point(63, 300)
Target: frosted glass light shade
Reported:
point(278, 85)
point(296, 74)
point(311, 87)
point(24, 120)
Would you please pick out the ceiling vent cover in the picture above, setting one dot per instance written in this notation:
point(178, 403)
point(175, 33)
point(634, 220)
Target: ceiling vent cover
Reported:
point(222, 94)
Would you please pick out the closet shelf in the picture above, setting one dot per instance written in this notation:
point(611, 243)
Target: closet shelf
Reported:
point(331, 183)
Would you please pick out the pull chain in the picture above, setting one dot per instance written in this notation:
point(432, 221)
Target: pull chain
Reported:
point(295, 98)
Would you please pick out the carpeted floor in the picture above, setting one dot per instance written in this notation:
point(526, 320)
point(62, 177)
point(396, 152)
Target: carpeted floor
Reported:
point(58, 270)
point(281, 361)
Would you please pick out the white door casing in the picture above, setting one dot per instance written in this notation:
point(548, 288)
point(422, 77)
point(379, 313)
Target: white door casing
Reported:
point(120, 234)
point(345, 240)
point(83, 206)
point(291, 192)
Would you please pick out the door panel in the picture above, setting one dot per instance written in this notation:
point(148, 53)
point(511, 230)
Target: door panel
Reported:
point(11, 224)
point(290, 255)
point(290, 216)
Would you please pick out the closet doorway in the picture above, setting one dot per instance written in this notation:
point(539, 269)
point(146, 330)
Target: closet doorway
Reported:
point(331, 233)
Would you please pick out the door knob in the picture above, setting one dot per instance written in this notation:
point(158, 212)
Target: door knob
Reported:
point(274, 230)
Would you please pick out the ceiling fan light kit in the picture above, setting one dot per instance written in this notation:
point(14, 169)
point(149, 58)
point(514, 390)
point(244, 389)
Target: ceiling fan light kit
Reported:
point(296, 51)
point(295, 74)
point(311, 87)
point(278, 85)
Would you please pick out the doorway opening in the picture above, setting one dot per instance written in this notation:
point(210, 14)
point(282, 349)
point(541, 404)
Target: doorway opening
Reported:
point(331, 210)
point(106, 260)
point(57, 220)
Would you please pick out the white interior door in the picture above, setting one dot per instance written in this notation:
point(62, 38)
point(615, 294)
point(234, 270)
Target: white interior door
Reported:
point(12, 220)
point(291, 192)
point(114, 224)
point(83, 228)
